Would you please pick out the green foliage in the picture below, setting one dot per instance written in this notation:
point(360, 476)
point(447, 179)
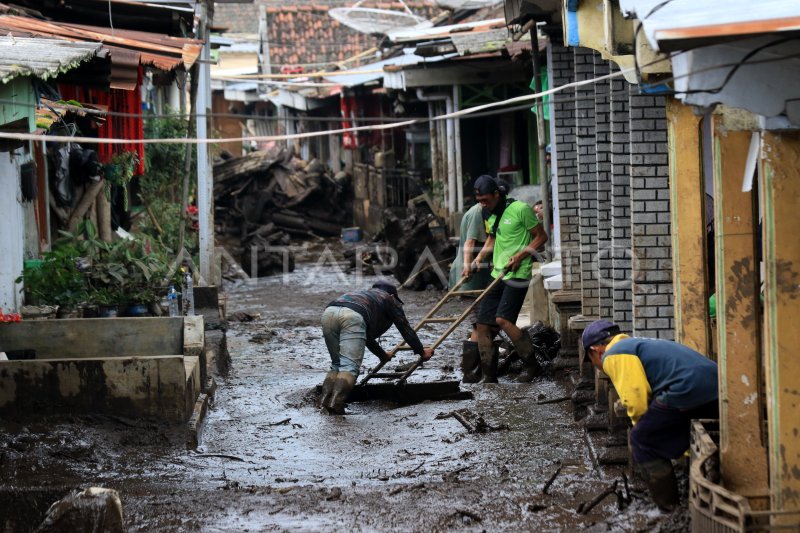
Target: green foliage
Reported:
point(119, 171)
point(57, 281)
point(166, 163)
point(122, 272)
point(168, 215)
point(162, 185)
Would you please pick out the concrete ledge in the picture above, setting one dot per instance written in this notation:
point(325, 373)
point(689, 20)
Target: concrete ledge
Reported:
point(551, 269)
point(153, 387)
point(579, 322)
point(554, 283)
point(566, 297)
point(194, 434)
point(191, 367)
point(194, 341)
point(96, 337)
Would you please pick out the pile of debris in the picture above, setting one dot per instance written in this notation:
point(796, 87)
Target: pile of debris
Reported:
point(265, 199)
point(423, 259)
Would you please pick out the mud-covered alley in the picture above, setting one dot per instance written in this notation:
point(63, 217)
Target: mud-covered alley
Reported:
point(269, 460)
point(187, 185)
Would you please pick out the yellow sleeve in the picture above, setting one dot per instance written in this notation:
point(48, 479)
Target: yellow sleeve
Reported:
point(627, 375)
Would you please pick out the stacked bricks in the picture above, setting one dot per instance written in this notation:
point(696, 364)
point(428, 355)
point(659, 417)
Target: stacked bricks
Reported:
point(621, 204)
point(563, 106)
point(587, 180)
point(602, 111)
point(653, 311)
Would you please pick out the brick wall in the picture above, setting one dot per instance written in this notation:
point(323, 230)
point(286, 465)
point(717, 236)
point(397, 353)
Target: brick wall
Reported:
point(602, 111)
point(650, 218)
point(563, 107)
point(585, 139)
point(620, 204)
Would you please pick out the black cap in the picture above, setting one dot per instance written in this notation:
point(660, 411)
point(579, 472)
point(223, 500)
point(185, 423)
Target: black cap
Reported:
point(385, 286)
point(503, 186)
point(485, 184)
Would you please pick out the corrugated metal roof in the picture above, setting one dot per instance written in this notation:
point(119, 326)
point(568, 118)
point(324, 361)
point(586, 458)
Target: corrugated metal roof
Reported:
point(398, 61)
point(161, 51)
point(43, 58)
point(682, 24)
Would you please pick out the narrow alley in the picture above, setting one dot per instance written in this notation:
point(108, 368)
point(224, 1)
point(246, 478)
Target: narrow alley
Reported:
point(270, 461)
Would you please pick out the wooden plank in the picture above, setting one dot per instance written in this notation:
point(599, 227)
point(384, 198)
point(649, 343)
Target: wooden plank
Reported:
point(743, 456)
point(95, 337)
point(687, 194)
point(780, 192)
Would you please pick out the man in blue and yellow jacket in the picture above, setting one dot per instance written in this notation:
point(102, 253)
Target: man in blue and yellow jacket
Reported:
point(663, 385)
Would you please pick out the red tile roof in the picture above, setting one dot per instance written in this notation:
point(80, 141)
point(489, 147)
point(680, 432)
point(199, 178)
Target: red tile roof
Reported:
point(306, 33)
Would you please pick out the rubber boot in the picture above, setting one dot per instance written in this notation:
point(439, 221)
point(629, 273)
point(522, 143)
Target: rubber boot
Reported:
point(489, 355)
point(660, 479)
point(345, 381)
point(471, 362)
point(327, 388)
point(530, 366)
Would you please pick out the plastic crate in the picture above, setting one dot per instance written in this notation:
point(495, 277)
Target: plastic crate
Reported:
point(714, 508)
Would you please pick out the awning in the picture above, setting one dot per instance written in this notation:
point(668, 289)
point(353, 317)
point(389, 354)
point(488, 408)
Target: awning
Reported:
point(685, 24)
point(736, 53)
point(405, 59)
point(126, 48)
point(43, 58)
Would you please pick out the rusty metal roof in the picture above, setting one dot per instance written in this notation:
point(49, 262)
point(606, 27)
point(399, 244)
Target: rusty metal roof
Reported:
point(126, 48)
point(43, 58)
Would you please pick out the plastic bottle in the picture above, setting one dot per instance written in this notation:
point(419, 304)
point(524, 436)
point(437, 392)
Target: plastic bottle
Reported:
point(188, 293)
point(172, 301)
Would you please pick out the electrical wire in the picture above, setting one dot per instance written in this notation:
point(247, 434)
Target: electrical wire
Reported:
point(267, 138)
point(636, 37)
point(110, 21)
point(353, 72)
point(280, 83)
point(386, 122)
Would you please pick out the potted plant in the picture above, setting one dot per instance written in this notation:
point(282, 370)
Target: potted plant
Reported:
point(107, 301)
point(57, 281)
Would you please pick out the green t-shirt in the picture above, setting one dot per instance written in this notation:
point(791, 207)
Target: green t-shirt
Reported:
point(513, 234)
point(471, 228)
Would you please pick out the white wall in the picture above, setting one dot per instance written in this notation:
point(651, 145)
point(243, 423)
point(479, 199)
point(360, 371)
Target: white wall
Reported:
point(12, 230)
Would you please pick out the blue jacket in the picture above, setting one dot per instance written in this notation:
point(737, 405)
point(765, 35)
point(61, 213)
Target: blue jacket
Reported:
point(671, 373)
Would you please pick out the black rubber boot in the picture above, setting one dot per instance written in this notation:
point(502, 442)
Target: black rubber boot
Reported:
point(471, 362)
point(530, 366)
point(327, 388)
point(660, 479)
point(489, 355)
point(345, 381)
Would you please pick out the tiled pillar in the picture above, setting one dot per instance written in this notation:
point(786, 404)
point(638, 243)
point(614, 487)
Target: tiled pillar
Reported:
point(621, 204)
point(563, 107)
point(587, 180)
point(650, 218)
point(602, 115)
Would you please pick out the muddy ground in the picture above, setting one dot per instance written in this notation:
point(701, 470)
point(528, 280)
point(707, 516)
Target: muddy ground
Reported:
point(269, 461)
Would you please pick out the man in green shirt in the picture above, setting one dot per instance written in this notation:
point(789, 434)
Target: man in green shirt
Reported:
point(513, 235)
